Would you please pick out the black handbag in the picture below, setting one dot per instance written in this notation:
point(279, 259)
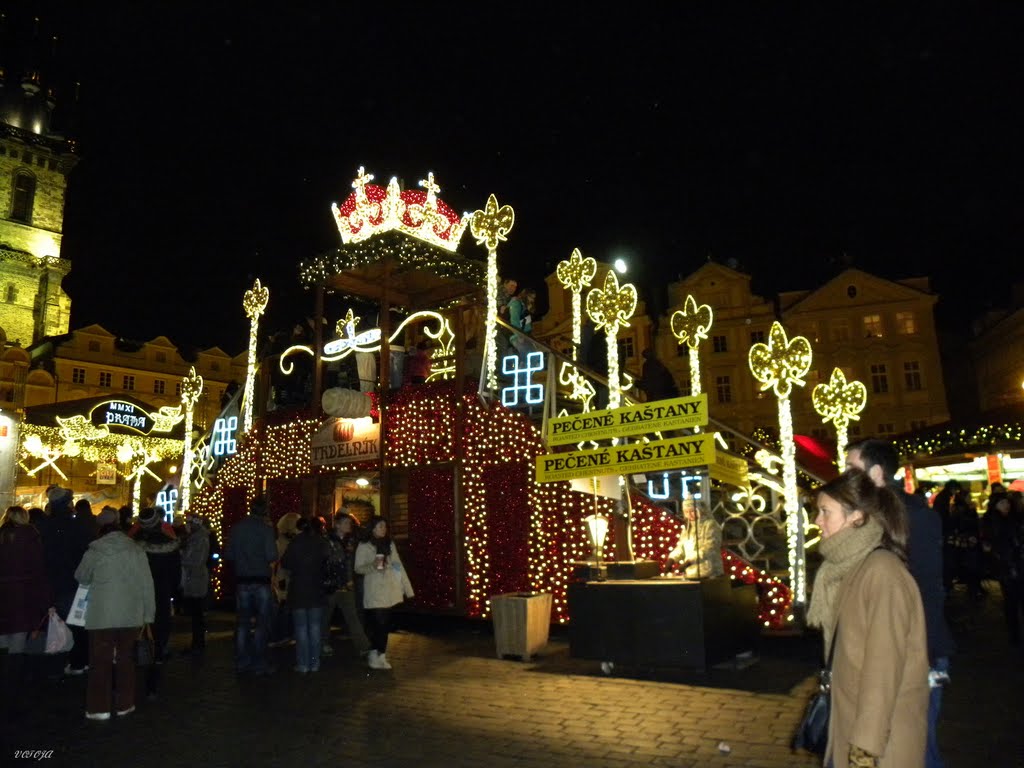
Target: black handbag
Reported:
point(144, 648)
point(812, 733)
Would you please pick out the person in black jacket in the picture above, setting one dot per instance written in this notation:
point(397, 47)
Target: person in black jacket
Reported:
point(306, 561)
point(163, 551)
point(881, 462)
point(64, 544)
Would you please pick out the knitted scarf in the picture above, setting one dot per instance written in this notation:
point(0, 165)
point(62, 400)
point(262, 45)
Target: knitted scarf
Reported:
point(842, 552)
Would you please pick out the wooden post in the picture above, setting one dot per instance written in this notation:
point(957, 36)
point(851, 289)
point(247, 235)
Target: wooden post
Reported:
point(318, 345)
point(458, 431)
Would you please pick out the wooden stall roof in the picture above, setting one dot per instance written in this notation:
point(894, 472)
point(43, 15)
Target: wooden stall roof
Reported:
point(416, 275)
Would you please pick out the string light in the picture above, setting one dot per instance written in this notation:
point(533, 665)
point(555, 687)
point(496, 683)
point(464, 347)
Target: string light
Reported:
point(610, 308)
point(575, 274)
point(191, 389)
point(253, 302)
point(840, 401)
point(778, 365)
point(491, 227)
point(690, 326)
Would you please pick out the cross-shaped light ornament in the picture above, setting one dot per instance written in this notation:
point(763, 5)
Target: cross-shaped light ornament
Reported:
point(253, 302)
point(840, 401)
point(610, 308)
point(491, 227)
point(778, 365)
point(191, 389)
point(690, 326)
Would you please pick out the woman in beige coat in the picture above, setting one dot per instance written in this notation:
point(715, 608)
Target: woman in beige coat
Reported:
point(866, 601)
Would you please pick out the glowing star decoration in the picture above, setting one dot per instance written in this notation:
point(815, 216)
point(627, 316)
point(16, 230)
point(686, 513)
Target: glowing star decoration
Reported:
point(779, 365)
point(610, 308)
point(223, 442)
point(522, 380)
point(840, 401)
point(253, 302)
point(691, 325)
point(491, 227)
point(166, 501)
point(372, 210)
point(576, 274)
point(191, 389)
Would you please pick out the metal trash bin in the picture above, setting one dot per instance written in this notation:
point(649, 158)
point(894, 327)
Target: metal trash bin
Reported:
point(522, 621)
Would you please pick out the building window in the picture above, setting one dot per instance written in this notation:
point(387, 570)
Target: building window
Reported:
point(840, 329)
point(905, 323)
point(12, 294)
point(916, 424)
point(625, 352)
point(886, 428)
point(879, 379)
point(78, 375)
point(721, 344)
point(177, 389)
point(912, 376)
point(94, 346)
point(854, 430)
point(684, 386)
point(129, 382)
point(873, 326)
point(819, 433)
point(161, 357)
point(159, 386)
point(812, 331)
point(24, 197)
point(757, 337)
point(683, 350)
point(724, 388)
point(26, 158)
point(105, 378)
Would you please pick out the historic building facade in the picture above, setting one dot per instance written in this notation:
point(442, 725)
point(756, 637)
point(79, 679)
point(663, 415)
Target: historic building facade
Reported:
point(880, 332)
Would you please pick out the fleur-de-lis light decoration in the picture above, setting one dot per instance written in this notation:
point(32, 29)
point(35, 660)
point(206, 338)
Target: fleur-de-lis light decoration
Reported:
point(691, 325)
point(191, 389)
point(575, 273)
point(778, 365)
point(490, 227)
point(840, 401)
point(610, 308)
point(254, 302)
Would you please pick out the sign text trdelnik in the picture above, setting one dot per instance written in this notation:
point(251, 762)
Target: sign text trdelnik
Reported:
point(657, 416)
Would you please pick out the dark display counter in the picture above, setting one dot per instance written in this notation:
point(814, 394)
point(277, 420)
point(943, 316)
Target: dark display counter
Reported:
point(670, 622)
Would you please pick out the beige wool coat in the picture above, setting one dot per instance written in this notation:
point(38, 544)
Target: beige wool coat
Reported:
point(880, 669)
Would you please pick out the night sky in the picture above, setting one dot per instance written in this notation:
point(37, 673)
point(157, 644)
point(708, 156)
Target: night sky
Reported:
point(787, 140)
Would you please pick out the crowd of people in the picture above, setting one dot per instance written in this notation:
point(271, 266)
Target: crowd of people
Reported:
point(131, 568)
point(290, 581)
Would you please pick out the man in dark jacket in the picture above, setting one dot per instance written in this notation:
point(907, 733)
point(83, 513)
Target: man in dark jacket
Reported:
point(64, 544)
point(252, 551)
point(881, 462)
point(163, 551)
point(306, 561)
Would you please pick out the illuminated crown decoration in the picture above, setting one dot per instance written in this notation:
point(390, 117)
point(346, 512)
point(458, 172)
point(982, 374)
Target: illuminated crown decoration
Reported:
point(780, 363)
point(372, 210)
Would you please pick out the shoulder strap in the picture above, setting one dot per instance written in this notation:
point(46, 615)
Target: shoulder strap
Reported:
point(832, 647)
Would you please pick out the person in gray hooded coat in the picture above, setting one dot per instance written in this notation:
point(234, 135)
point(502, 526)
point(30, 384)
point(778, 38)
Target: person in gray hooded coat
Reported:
point(121, 602)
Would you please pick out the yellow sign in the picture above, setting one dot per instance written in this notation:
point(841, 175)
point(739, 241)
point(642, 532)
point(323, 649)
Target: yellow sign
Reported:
point(677, 453)
point(661, 415)
point(729, 469)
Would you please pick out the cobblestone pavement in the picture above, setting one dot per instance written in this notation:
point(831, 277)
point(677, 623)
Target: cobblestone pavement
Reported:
point(450, 702)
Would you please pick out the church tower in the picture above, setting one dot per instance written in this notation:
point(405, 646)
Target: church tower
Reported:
point(35, 162)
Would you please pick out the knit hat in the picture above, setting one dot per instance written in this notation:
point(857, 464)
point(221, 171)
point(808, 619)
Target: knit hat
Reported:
point(149, 518)
point(107, 517)
point(58, 496)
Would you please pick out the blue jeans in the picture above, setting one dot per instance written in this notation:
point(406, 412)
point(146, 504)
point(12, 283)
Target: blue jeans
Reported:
point(307, 637)
point(932, 757)
point(252, 602)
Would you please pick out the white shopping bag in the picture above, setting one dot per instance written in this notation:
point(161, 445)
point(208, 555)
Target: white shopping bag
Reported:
point(76, 617)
